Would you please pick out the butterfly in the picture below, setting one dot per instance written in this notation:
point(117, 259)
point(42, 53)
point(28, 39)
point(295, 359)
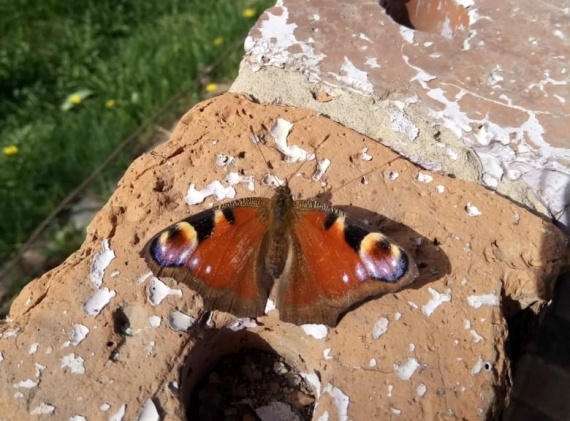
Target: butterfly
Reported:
point(324, 261)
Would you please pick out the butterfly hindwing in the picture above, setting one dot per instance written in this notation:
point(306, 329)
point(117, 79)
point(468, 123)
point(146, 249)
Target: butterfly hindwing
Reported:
point(336, 264)
point(216, 252)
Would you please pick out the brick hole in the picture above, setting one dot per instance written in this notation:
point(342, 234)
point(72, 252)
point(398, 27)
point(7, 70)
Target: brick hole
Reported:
point(233, 375)
point(442, 17)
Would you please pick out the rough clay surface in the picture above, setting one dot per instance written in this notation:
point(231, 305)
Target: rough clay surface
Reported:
point(433, 350)
point(475, 90)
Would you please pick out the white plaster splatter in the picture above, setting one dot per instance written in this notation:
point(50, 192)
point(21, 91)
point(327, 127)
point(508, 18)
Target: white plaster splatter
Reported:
point(314, 381)
point(18, 395)
point(215, 188)
point(327, 354)
point(465, 3)
point(118, 416)
point(241, 323)
point(43, 409)
point(74, 363)
point(413, 305)
point(424, 178)
point(33, 348)
point(372, 362)
point(391, 175)
point(269, 306)
point(476, 337)
point(364, 155)
point(154, 321)
point(272, 180)
point(421, 390)
point(180, 321)
point(105, 407)
point(315, 330)
point(396, 411)
point(101, 297)
point(380, 327)
point(477, 301)
point(372, 62)
point(144, 277)
point(340, 399)
point(390, 390)
point(397, 315)
point(354, 77)
point(78, 334)
point(406, 370)
point(401, 124)
point(407, 34)
point(158, 291)
point(223, 160)
point(39, 368)
point(446, 29)
point(478, 366)
point(472, 210)
point(100, 261)
point(25, 384)
point(272, 47)
point(411, 347)
point(148, 412)
point(466, 324)
point(10, 333)
point(233, 178)
point(1, 357)
point(77, 418)
point(436, 300)
point(322, 167)
point(440, 188)
point(280, 131)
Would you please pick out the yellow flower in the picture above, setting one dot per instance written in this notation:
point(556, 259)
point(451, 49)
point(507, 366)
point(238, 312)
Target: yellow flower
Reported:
point(249, 12)
point(110, 103)
point(218, 41)
point(211, 87)
point(75, 99)
point(10, 150)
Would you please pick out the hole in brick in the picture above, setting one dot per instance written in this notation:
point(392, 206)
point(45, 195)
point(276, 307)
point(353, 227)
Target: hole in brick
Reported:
point(443, 17)
point(237, 375)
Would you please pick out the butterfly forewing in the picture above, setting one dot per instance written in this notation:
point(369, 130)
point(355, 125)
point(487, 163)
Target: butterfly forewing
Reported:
point(337, 263)
point(217, 252)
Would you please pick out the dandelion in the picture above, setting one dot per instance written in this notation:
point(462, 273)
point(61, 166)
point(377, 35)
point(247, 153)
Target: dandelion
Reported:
point(75, 99)
point(218, 41)
point(249, 12)
point(110, 103)
point(211, 87)
point(10, 150)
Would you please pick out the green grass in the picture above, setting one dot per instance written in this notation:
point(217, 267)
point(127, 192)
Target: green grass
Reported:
point(133, 55)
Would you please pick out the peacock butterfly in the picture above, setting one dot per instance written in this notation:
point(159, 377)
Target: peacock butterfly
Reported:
point(324, 261)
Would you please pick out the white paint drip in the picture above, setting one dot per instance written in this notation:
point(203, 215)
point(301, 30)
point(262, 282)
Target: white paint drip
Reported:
point(180, 321)
point(270, 306)
point(280, 131)
point(477, 301)
point(74, 363)
point(272, 180)
point(421, 390)
point(215, 188)
point(372, 62)
point(118, 416)
point(436, 300)
point(391, 175)
point(98, 301)
point(78, 334)
point(440, 188)
point(26, 384)
point(33, 348)
point(327, 354)
point(353, 77)
point(364, 155)
point(472, 210)
point(223, 160)
point(315, 330)
point(100, 261)
point(322, 167)
point(478, 366)
point(408, 34)
point(476, 337)
point(39, 368)
point(424, 178)
point(157, 291)
point(340, 399)
point(406, 370)
point(43, 409)
point(380, 328)
point(233, 178)
point(77, 418)
point(314, 381)
point(372, 362)
point(148, 412)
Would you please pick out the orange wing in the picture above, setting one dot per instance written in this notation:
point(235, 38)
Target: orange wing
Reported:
point(217, 253)
point(336, 264)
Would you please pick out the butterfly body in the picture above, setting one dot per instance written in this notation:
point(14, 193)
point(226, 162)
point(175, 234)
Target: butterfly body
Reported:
point(324, 262)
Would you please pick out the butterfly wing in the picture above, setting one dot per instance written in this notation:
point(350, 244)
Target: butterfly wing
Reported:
point(216, 253)
point(335, 264)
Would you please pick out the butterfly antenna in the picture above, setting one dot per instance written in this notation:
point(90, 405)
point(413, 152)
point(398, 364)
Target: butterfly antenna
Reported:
point(361, 176)
point(315, 149)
